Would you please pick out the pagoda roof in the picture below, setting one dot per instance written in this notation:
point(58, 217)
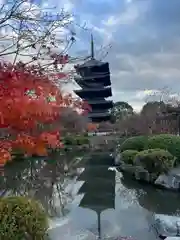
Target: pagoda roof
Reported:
point(101, 186)
point(102, 79)
point(92, 102)
point(97, 202)
point(104, 92)
point(98, 114)
point(91, 63)
point(100, 119)
point(96, 76)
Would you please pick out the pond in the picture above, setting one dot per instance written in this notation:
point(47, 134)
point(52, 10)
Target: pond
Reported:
point(125, 207)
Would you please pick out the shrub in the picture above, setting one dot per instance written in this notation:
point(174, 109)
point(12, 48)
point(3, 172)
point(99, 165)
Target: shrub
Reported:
point(82, 140)
point(134, 143)
point(69, 140)
point(128, 156)
point(155, 160)
point(168, 142)
point(22, 218)
point(76, 140)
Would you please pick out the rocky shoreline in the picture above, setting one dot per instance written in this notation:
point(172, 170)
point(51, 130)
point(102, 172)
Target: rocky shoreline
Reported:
point(170, 181)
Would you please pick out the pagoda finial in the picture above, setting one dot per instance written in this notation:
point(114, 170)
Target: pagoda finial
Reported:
point(92, 47)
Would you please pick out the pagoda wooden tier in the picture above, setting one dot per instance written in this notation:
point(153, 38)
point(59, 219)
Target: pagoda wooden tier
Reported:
point(101, 104)
point(98, 113)
point(96, 68)
point(88, 93)
point(93, 77)
point(94, 80)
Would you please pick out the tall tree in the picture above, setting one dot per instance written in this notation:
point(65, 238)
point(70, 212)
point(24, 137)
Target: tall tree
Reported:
point(29, 100)
point(36, 36)
point(121, 110)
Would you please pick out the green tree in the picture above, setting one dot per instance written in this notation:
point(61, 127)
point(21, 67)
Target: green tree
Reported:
point(121, 110)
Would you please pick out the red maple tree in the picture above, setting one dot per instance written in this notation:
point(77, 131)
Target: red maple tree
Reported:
point(28, 99)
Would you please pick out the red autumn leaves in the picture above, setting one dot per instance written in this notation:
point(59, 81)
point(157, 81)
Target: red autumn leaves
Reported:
point(26, 100)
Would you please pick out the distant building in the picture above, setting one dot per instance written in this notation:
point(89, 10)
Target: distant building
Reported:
point(94, 80)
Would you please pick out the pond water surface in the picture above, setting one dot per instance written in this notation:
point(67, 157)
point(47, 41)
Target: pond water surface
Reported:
point(133, 205)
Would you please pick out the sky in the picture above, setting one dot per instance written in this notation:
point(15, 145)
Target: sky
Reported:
point(145, 42)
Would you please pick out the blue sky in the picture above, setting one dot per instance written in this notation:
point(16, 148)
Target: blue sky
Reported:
point(145, 40)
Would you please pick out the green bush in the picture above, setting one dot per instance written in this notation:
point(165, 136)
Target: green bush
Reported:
point(168, 142)
point(155, 160)
point(22, 218)
point(76, 140)
point(82, 140)
point(128, 156)
point(69, 140)
point(134, 143)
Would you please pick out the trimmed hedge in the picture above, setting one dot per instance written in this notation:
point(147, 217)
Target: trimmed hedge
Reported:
point(134, 143)
point(69, 140)
point(168, 142)
point(22, 218)
point(128, 156)
point(80, 140)
point(155, 160)
point(75, 140)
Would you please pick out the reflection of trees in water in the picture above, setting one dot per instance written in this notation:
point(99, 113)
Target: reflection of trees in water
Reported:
point(44, 180)
point(155, 200)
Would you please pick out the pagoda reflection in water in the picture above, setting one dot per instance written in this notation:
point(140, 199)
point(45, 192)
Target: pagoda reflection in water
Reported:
point(94, 80)
point(99, 184)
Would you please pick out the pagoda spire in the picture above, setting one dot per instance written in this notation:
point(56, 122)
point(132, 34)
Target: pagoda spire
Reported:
point(92, 47)
point(93, 77)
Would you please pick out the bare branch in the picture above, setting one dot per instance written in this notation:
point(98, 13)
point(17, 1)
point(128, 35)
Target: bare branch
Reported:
point(30, 34)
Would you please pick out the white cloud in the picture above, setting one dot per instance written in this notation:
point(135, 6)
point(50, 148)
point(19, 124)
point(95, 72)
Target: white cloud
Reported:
point(128, 17)
point(113, 22)
point(67, 5)
point(138, 76)
point(136, 99)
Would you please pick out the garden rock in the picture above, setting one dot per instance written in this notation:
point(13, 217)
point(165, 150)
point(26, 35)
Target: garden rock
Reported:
point(171, 180)
point(167, 226)
point(173, 238)
point(142, 175)
point(138, 172)
point(118, 160)
point(128, 168)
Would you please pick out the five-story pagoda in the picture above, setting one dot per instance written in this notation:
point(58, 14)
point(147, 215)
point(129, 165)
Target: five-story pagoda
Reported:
point(94, 80)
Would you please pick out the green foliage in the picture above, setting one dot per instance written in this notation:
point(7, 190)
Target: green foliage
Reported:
point(168, 142)
point(73, 140)
point(22, 218)
point(155, 160)
point(121, 110)
point(69, 140)
point(134, 143)
point(80, 140)
point(128, 156)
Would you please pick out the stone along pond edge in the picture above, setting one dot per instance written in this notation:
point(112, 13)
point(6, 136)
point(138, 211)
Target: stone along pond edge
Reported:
point(169, 181)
